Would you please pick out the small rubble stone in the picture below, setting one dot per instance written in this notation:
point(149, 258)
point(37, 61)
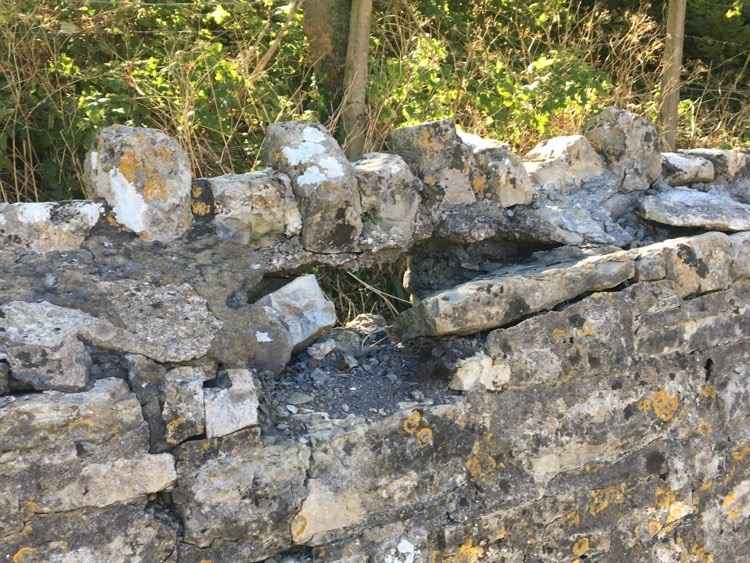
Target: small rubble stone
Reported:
point(144, 176)
point(233, 408)
point(564, 164)
point(254, 207)
point(302, 307)
point(683, 169)
point(183, 409)
point(47, 227)
point(629, 143)
point(511, 294)
point(321, 349)
point(41, 345)
point(728, 164)
point(390, 199)
point(323, 180)
point(682, 207)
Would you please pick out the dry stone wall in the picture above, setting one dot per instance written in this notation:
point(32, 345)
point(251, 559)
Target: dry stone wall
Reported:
point(569, 384)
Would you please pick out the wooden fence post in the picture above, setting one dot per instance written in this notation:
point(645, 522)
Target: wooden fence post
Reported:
point(670, 86)
point(356, 78)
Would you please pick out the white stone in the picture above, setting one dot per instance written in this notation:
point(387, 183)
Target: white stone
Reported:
point(564, 164)
point(683, 207)
point(682, 169)
point(232, 409)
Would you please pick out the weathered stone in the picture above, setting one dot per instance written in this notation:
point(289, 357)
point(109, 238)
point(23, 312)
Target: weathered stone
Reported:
point(117, 534)
point(435, 153)
point(323, 181)
point(4, 374)
point(564, 164)
point(41, 345)
point(728, 164)
point(497, 173)
point(254, 207)
point(240, 498)
point(145, 177)
point(47, 227)
point(511, 294)
point(682, 169)
point(390, 199)
point(740, 255)
point(169, 323)
point(231, 408)
point(183, 410)
point(479, 371)
point(681, 207)
point(629, 144)
point(302, 307)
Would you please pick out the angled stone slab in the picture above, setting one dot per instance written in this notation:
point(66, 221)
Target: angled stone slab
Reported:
point(512, 294)
point(564, 164)
point(728, 164)
point(681, 207)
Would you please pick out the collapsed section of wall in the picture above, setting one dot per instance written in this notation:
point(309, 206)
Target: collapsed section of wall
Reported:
point(581, 394)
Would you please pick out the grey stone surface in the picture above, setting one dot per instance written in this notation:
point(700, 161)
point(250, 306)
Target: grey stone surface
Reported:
point(302, 307)
point(681, 207)
point(255, 207)
point(629, 144)
point(728, 164)
point(682, 169)
point(47, 227)
point(323, 181)
point(564, 164)
point(390, 198)
point(144, 176)
point(234, 407)
point(183, 411)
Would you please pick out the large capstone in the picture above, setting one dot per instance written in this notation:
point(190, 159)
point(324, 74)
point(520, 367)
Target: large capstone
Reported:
point(144, 176)
point(683, 169)
point(564, 164)
point(681, 207)
point(323, 181)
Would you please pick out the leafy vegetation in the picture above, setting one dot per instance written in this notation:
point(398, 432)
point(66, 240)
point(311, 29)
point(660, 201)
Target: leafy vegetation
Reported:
point(214, 73)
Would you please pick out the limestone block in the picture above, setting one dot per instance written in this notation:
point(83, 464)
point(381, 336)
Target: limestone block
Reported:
point(728, 165)
point(47, 227)
point(564, 164)
point(144, 176)
point(183, 408)
point(323, 181)
point(629, 144)
point(683, 207)
point(682, 169)
point(232, 408)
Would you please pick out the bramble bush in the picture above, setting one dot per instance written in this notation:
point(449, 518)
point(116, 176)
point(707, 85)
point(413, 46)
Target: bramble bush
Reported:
point(510, 69)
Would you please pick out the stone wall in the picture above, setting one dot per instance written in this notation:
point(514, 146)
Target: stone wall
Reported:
point(570, 383)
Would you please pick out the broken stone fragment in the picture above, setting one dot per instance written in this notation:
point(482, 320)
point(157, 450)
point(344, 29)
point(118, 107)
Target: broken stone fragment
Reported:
point(728, 164)
point(740, 255)
point(47, 227)
point(629, 144)
point(682, 207)
point(511, 294)
point(435, 153)
point(564, 164)
point(183, 409)
point(231, 408)
point(497, 174)
point(144, 176)
point(682, 169)
point(323, 181)
point(302, 307)
point(4, 377)
point(479, 372)
point(41, 345)
point(390, 199)
point(254, 207)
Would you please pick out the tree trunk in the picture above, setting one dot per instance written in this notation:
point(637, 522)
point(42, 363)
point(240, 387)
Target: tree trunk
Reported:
point(356, 78)
point(326, 24)
point(672, 66)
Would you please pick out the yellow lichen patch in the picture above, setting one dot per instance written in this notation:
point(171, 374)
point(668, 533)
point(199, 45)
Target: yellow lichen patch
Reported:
point(298, 527)
point(601, 499)
point(664, 405)
point(677, 511)
point(424, 437)
point(154, 187)
point(664, 498)
point(200, 209)
point(581, 547)
point(559, 334)
point(701, 555)
point(479, 183)
point(704, 427)
point(731, 507)
point(430, 180)
point(468, 553)
point(30, 507)
point(571, 519)
point(708, 391)
point(24, 555)
point(411, 423)
point(128, 165)
point(207, 561)
point(173, 424)
point(740, 454)
point(480, 464)
point(654, 527)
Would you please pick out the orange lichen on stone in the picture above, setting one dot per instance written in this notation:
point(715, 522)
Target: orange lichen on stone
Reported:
point(479, 183)
point(664, 405)
point(480, 464)
point(24, 555)
point(424, 437)
point(467, 553)
point(154, 186)
point(128, 164)
point(708, 391)
point(701, 555)
point(412, 422)
point(581, 547)
point(298, 526)
point(740, 454)
point(200, 208)
point(601, 499)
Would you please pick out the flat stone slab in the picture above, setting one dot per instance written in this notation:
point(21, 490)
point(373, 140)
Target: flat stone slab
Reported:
point(689, 208)
point(682, 169)
point(511, 294)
